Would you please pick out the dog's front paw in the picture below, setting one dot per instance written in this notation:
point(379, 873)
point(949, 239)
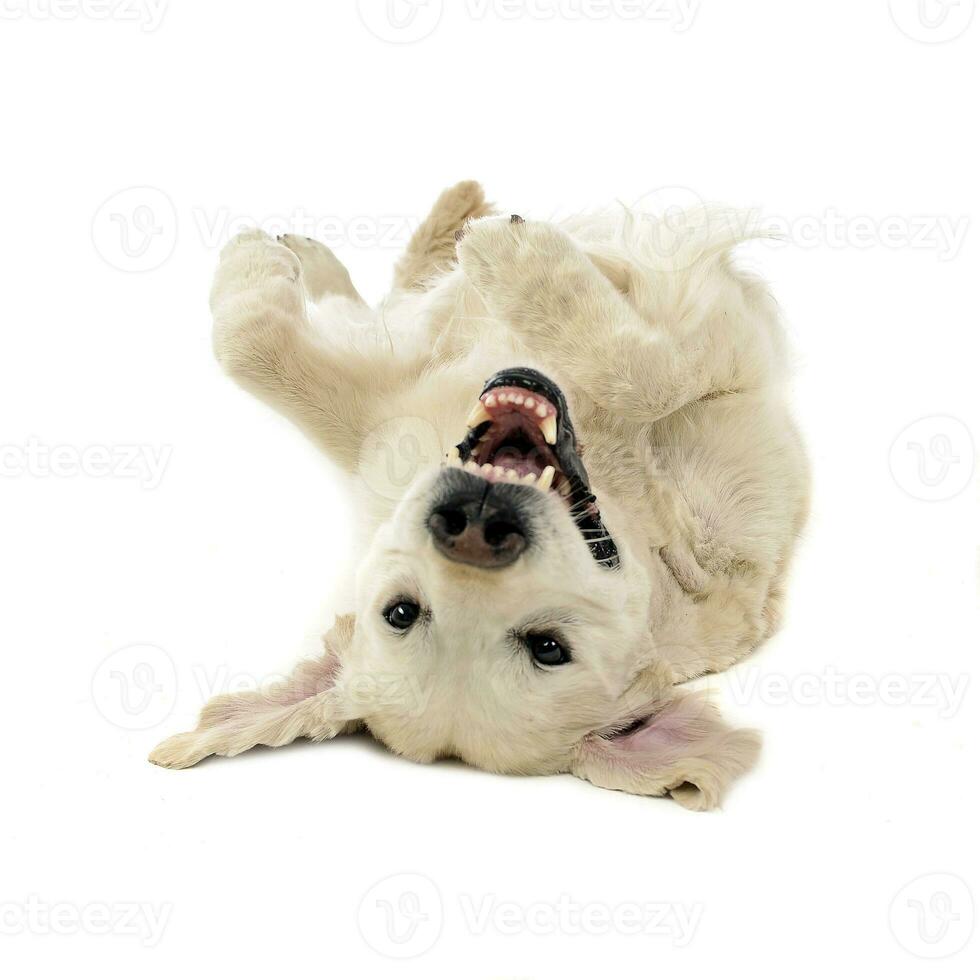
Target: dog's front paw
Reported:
point(323, 272)
point(527, 273)
point(249, 260)
point(503, 256)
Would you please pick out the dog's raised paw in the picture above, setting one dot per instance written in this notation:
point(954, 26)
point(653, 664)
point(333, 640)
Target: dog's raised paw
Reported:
point(500, 253)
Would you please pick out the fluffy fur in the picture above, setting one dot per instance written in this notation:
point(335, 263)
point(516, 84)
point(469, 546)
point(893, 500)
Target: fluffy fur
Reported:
point(672, 360)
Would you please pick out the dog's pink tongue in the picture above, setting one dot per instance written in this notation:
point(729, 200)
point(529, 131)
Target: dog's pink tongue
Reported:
point(514, 459)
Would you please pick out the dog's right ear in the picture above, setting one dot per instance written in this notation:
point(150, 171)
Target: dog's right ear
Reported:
point(306, 704)
point(683, 747)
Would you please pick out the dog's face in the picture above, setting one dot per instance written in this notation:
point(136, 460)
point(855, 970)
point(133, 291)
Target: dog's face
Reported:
point(501, 622)
point(498, 619)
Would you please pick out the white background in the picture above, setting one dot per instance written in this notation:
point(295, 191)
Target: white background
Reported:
point(130, 595)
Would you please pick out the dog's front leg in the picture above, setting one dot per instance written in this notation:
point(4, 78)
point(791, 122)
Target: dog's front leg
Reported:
point(264, 340)
point(532, 276)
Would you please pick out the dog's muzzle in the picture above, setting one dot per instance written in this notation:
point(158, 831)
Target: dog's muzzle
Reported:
point(519, 436)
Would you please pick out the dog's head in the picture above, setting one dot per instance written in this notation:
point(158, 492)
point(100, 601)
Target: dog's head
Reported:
point(499, 620)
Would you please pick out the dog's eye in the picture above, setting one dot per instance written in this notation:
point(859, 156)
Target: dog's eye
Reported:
point(402, 614)
point(546, 650)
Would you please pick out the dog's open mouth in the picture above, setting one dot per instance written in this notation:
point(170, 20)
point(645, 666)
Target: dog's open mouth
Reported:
point(520, 432)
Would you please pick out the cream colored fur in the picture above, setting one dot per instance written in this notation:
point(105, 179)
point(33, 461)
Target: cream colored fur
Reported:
point(673, 363)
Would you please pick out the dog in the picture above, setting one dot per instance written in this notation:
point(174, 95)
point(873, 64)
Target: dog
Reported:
point(610, 511)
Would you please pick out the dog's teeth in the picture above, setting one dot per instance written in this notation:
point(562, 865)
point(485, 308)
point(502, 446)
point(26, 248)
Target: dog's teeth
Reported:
point(477, 416)
point(547, 475)
point(529, 403)
point(498, 472)
point(549, 429)
point(491, 401)
point(486, 469)
point(471, 467)
point(542, 411)
point(512, 476)
point(564, 489)
point(518, 399)
point(453, 455)
point(529, 479)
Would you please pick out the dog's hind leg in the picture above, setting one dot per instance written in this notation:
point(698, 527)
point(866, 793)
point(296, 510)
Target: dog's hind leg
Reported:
point(432, 249)
point(323, 273)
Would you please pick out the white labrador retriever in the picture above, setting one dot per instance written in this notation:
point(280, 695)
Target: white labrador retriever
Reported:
point(616, 495)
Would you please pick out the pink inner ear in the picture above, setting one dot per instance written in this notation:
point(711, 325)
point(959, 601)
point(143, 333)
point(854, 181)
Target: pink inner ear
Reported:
point(666, 735)
point(681, 747)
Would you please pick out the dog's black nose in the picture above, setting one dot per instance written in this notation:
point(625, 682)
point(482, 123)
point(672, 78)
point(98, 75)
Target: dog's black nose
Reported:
point(477, 526)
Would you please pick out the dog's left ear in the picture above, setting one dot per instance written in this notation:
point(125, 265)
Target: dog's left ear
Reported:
point(305, 704)
point(683, 748)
